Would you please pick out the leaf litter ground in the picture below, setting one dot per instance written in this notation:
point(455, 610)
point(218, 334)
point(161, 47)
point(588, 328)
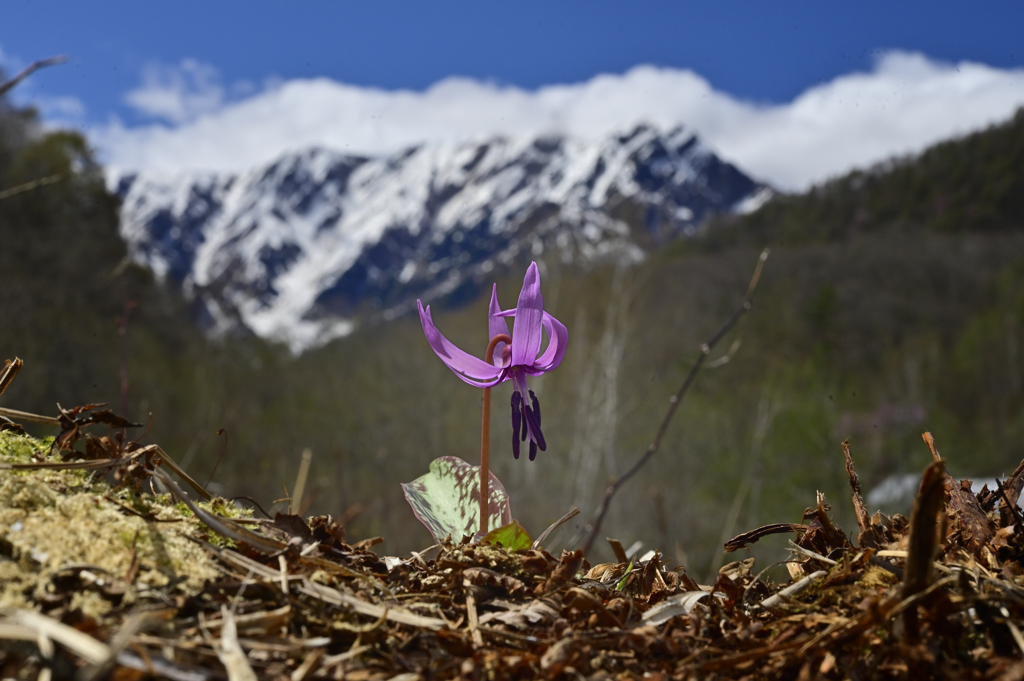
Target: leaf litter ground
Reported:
point(104, 578)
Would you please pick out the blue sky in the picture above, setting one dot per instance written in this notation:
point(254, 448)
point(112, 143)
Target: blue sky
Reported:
point(142, 72)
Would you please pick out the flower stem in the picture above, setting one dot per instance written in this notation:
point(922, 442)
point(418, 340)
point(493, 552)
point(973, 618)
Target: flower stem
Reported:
point(485, 437)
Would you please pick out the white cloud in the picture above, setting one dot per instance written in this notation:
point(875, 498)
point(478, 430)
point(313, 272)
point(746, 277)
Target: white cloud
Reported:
point(62, 109)
point(178, 94)
point(905, 103)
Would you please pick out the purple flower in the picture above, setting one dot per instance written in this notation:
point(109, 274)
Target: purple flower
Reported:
point(524, 357)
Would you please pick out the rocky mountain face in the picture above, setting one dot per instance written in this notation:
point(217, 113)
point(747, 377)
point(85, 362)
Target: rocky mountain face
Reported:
point(306, 248)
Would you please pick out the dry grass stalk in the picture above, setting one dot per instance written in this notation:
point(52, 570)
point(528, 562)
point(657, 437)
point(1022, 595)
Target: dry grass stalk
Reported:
point(300, 482)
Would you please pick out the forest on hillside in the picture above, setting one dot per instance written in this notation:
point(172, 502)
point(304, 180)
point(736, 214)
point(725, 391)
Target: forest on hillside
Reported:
point(893, 302)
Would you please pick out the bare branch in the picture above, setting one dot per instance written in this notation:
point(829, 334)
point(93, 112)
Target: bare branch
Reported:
point(28, 186)
point(705, 350)
point(29, 70)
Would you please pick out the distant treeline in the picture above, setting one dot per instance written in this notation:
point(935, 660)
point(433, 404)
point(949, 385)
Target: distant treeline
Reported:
point(972, 184)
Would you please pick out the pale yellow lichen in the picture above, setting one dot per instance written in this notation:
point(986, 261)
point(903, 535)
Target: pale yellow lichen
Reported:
point(51, 520)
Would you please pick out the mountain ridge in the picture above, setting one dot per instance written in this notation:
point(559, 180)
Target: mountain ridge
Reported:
point(304, 249)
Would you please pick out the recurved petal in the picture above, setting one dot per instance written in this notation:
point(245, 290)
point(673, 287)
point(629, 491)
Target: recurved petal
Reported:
point(496, 325)
point(558, 338)
point(527, 333)
point(470, 369)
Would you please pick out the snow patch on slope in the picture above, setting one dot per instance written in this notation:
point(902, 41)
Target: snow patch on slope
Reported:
point(294, 249)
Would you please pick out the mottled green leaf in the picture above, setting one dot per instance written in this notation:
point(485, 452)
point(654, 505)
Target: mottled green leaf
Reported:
point(447, 499)
point(512, 536)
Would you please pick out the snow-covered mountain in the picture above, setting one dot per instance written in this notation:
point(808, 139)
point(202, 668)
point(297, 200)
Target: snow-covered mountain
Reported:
point(305, 248)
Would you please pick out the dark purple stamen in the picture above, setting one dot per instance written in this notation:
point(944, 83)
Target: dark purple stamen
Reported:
point(534, 423)
point(516, 418)
point(536, 414)
point(526, 421)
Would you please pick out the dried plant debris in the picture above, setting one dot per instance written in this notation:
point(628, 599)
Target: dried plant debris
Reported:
point(102, 580)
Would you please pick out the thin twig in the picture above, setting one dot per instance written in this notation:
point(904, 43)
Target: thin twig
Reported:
point(224, 448)
point(791, 590)
point(7, 374)
point(859, 508)
point(474, 620)
point(29, 70)
point(725, 359)
point(170, 463)
point(29, 186)
point(251, 501)
point(83, 645)
point(539, 541)
point(793, 546)
point(222, 526)
point(16, 415)
point(1009, 504)
point(300, 481)
point(705, 350)
point(92, 464)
